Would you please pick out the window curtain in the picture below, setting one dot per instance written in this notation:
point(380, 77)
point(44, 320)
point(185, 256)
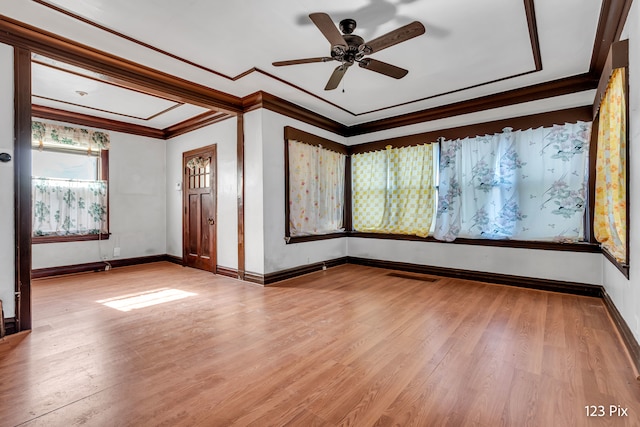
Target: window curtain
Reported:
point(393, 190)
point(610, 219)
point(523, 185)
point(50, 135)
point(64, 207)
point(316, 189)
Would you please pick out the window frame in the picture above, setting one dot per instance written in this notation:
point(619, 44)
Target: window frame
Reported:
point(103, 172)
point(291, 133)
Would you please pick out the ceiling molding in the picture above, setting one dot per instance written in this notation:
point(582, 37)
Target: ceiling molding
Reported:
point(94, 122)
point(205, 119)
point(613, 15)
point(273, 103)
point(136, 41)
point(100, 79)
point(154, 115)
point(116, 69)
point(516, 96)
point(533, 33)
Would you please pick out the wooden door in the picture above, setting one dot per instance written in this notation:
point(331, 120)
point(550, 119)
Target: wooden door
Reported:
point(199, 206)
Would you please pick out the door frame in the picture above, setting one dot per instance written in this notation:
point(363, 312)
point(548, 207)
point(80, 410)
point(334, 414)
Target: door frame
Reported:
point(214, 188)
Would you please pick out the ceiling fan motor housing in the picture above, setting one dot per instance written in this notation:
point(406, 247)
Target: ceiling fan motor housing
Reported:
point(353, 52)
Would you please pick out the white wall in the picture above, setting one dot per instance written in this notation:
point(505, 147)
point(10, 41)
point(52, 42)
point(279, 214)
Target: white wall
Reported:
point(223, 134)
point(253, 193)
point(137, 207)
point(626, 293)
point(7, 242)
point(277, 254)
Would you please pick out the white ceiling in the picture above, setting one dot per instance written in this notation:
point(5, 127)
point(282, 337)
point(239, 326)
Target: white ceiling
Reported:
point(230, 46)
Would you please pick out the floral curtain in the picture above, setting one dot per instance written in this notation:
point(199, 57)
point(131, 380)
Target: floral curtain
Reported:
point(64, 207)
point(316, 189)
point(523, 185)
point(610, 219)
point(393, 190)
point(46, 134)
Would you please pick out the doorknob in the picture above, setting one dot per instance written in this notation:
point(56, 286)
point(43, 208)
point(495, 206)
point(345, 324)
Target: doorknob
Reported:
point(210, 221)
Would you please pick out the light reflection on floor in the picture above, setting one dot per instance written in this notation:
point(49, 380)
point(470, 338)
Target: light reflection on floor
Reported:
point(145, 299)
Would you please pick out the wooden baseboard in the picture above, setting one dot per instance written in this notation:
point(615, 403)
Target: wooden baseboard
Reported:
point(254, 277)
point(290, 273)
point(10, 326)
point(227, 271)
point(481, 276)
point(95, 266)
point(269, 278)
point(628, 338)
point(174, 259)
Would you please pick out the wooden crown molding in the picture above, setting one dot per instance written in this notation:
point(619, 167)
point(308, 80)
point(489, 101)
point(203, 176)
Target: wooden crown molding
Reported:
point(205, 119)
point(613, 15)
point(273, 103)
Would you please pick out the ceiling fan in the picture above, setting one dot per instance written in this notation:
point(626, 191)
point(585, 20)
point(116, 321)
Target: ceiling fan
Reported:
point(349, 48)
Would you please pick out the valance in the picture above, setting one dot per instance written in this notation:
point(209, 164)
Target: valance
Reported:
point(58, 136)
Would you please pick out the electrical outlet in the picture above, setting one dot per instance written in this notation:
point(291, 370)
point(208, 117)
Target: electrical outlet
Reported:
point(116, 251)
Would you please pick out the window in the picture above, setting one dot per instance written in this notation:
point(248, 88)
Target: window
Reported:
point(523, 185)
point(69, 183)
point(315, 181)
point(610, 219)
point(393, 190)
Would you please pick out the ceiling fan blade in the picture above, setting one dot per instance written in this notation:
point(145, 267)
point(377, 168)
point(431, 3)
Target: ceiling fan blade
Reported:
point(336, 77)
point(302, 61)
point(328, 29)
point(399, 35)
point(383, 68)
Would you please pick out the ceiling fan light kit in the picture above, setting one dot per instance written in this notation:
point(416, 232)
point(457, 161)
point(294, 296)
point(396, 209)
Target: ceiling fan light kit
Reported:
point(348, 48)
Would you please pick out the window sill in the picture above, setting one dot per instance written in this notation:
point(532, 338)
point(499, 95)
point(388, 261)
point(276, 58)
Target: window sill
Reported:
point(314, 237)
point(553, 246)
point(73, 238)
point(624, 268)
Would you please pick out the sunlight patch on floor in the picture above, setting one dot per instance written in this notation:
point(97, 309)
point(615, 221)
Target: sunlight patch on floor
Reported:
point(145, 299)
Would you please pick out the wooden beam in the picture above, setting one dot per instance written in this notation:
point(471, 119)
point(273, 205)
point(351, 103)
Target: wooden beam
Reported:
point(22, 167)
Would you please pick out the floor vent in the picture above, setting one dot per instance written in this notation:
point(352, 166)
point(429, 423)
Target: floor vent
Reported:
point(414, 277)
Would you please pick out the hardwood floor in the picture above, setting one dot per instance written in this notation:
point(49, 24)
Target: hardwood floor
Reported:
point(352, 345)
